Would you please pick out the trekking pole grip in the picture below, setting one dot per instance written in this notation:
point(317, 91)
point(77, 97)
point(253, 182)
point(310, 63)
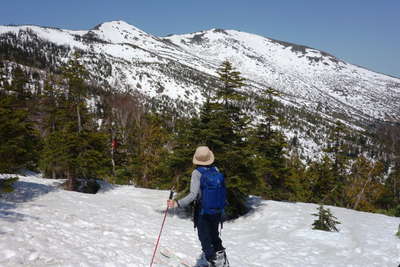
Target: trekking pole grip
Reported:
point(171, 193)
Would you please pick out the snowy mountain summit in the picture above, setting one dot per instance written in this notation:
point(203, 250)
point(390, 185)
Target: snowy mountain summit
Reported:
point(180, 69)
point(41, 225)
point(301, 73)
point(119, 32)
point(179, 66)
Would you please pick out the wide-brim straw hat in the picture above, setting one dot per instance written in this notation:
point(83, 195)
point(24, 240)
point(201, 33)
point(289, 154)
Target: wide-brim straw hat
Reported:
point(203, 156)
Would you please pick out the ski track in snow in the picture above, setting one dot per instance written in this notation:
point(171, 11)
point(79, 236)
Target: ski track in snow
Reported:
point(41, 225)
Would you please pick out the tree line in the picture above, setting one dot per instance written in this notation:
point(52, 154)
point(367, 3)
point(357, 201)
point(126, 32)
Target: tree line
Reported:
point(71, 127)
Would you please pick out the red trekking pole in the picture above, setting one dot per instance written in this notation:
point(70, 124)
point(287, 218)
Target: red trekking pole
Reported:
point(171, 194)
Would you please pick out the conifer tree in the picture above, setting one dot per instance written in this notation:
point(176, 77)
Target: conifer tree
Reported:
point(48, 102)
point(338, 149)
point(232, 81)
point(326, 221)
point(76, 75)
point(227, 125)
point(19, 86)
point(19, 140)
point(179, 163)
point(73, 147)
point(322, 178)
point(222, 125)
point(267, 106)
point(149, 151)
point(268, 146)
point(92, 158)
point(297, 182)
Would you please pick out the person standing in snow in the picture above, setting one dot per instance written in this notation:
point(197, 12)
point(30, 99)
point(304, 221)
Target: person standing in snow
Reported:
point(207, 220)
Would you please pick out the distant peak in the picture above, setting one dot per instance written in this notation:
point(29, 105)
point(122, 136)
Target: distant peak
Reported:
point(220, 31)
point(116, 24)
point(118, 31)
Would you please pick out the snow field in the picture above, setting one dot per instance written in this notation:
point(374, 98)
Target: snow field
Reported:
point(41, 225)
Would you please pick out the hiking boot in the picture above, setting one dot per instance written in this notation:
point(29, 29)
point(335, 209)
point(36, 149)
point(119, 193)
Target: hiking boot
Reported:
point(220, 259)
point(212, 262)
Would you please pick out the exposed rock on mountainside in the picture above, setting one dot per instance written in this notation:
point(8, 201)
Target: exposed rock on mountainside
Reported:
point(182, 67)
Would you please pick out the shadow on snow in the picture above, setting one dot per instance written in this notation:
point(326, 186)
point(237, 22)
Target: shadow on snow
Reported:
point(23, 192)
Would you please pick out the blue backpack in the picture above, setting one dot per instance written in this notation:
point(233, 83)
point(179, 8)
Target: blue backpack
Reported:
point(213, 190)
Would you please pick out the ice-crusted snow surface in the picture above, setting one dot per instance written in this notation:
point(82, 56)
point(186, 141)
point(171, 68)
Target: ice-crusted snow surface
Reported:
point(41, 225)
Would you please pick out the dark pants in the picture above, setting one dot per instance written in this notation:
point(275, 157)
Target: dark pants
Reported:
point(207, 228)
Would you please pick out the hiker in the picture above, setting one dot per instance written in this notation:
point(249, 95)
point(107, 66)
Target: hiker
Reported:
point(208, 218)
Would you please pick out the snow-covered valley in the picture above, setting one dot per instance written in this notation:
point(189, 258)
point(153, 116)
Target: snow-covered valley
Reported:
point(42, 225)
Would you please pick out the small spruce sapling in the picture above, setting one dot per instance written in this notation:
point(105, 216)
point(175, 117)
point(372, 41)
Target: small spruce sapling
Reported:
point(326, 221)
point(398, 232)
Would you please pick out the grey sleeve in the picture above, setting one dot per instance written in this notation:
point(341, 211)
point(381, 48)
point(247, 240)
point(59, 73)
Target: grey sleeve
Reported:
point(194, 190)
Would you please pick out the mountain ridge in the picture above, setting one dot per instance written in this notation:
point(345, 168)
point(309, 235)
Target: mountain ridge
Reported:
point(182, 67)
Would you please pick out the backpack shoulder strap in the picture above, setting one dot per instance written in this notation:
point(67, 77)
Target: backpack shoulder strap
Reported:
point(203, 169)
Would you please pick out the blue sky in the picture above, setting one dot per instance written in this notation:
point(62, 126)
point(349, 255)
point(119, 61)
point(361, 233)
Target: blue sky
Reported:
point(363, 32)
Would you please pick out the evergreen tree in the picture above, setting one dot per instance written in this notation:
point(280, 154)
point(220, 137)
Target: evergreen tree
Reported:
point(149, 152)
point(297, 182)
point(19, 141)
point(222, 125)
point(18, 86)
point(73, 146)
point(92, 158)
point(224, 129)
point(48, 103)
point(268, 146)
point(59, 156)
point(76, 75)
point(267, 106)
point(179, 163)
point(326, 221)
point(338, 150)
point(232, 81)
point(322, 179)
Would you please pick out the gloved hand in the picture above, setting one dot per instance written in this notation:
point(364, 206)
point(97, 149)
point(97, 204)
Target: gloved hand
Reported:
point(171, 203)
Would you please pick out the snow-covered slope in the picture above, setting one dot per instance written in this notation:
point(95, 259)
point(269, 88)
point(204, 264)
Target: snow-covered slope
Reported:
point(124, 56)
point(172, 65)
point(178, 70)
point(41, 225)
point(300, 72)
